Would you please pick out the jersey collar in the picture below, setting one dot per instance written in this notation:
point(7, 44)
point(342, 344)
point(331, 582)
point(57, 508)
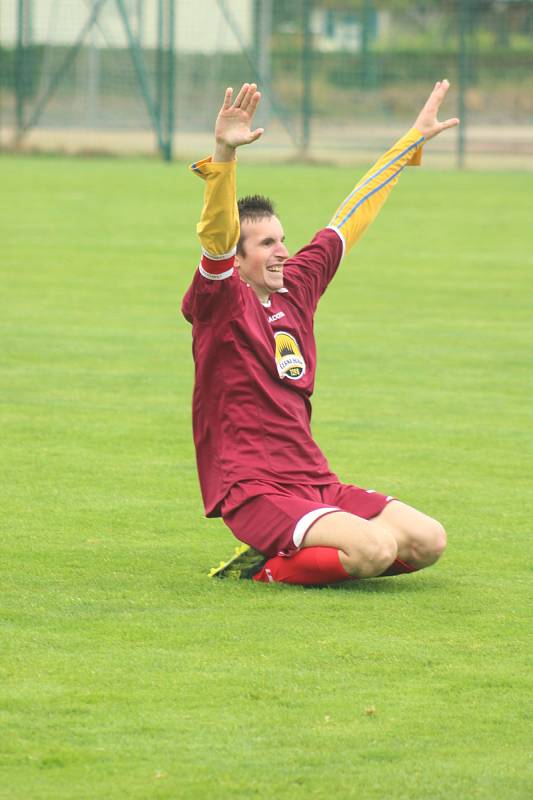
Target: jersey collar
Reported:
point(268, 302)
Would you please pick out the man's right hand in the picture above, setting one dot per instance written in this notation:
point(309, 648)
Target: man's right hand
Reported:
point(233, 125)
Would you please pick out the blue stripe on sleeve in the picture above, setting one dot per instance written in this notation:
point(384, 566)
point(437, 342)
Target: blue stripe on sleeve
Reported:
point(367, 196)
point(376, 174)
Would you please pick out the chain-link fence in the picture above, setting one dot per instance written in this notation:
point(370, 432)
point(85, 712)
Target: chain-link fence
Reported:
point(339, 77)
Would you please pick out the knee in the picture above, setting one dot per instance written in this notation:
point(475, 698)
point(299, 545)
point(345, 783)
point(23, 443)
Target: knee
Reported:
point(373, 557)
point(432, 544)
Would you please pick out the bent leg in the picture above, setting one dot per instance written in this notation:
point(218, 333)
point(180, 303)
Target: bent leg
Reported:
point(365, 548)
point(340, 545)
point(336, 547)
point(421, 540)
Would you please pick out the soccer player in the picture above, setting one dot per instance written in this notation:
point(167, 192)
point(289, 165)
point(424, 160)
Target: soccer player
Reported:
point(251, 306)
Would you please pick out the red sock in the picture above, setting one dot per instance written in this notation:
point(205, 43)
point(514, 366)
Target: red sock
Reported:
point(398, 567)
point(312, 566)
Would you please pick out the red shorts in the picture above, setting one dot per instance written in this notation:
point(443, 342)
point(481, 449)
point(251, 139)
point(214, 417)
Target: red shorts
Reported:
point(274, 518)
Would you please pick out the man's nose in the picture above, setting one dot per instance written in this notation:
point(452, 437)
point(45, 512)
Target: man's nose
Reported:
point(282, 251)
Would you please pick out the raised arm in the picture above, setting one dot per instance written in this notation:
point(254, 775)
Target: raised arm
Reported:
point(360, 208)
point(218, 229)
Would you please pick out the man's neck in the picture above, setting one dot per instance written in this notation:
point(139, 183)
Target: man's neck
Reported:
point(262, 295)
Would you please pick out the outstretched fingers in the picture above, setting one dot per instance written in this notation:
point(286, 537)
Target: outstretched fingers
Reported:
point(449, 123)
point(427, 122)
point(234, 121)
point(248, 97)
point(256, 134)
point(228, 94)
point(434, 103)
point(254, 102)
point(436, 97)
point(241, 96)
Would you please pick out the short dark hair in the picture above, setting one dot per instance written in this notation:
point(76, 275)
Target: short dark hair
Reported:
point(252, 208)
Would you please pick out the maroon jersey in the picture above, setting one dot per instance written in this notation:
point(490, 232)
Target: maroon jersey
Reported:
point(254, 375)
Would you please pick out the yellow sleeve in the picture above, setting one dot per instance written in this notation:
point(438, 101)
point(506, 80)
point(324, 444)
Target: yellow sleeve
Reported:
point(218, 229)
point(363, 204)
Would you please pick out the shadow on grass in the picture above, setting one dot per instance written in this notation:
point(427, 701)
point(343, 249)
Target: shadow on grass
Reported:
point(404, 584)
point(396, 585)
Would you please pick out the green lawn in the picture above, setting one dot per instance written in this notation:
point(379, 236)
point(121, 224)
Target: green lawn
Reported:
point(125, 672)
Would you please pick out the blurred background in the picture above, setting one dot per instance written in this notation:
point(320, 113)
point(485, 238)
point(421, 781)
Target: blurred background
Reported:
point(340, 78)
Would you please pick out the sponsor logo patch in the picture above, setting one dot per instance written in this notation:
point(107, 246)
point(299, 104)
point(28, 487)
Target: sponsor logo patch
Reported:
point(289, 359)
point(274, 317)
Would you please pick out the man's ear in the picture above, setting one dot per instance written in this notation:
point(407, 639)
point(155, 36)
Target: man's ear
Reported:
point(236, 262)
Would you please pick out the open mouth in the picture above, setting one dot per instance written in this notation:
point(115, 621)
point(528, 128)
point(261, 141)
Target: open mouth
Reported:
point(275, 268)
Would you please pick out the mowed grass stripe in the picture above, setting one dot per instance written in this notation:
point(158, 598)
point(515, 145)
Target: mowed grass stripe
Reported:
point(125, 672)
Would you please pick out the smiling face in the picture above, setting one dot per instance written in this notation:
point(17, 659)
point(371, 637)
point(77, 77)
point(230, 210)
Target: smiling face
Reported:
point(261, 255)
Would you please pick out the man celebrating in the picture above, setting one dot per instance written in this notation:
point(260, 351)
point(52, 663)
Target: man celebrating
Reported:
point(252, 307)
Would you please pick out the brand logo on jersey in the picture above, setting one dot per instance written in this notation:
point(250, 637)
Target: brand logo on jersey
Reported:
point(274, 317)
point(289, 358)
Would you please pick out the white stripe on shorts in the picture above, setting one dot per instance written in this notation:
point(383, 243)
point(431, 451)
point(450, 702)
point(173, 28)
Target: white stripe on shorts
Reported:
point(303, 524)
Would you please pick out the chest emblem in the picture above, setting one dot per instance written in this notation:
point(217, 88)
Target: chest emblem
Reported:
point(289, 359)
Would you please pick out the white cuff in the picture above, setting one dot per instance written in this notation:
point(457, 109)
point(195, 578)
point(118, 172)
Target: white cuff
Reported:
point(341, 237)
point(212, 276)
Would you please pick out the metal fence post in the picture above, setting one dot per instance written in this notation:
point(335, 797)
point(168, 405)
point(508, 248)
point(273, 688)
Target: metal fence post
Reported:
point(93, 77)
point(464, 22)
point(159, 66)
point(368, 78)
point(140, 69)
point(307, 77)
point(171, 21)
point(262, 44)
point(20, 71)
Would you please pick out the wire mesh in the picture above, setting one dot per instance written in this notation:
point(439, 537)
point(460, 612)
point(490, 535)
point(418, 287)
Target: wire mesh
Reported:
point(338, 77)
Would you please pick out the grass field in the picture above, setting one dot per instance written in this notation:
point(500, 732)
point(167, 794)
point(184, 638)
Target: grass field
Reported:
point(125, 672)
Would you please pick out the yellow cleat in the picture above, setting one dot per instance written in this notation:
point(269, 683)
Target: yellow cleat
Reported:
point(243, 564)
point(214, 570)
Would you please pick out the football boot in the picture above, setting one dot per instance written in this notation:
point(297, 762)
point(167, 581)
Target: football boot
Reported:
point(244, 564)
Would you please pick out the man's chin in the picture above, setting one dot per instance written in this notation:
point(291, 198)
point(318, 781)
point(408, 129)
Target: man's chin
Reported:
point(274, 283)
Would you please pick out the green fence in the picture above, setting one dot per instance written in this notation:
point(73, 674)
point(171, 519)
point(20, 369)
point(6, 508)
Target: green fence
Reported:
point(337, 77)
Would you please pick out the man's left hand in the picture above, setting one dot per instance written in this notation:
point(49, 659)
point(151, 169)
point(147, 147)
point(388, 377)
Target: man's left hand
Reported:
point(427, 122)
